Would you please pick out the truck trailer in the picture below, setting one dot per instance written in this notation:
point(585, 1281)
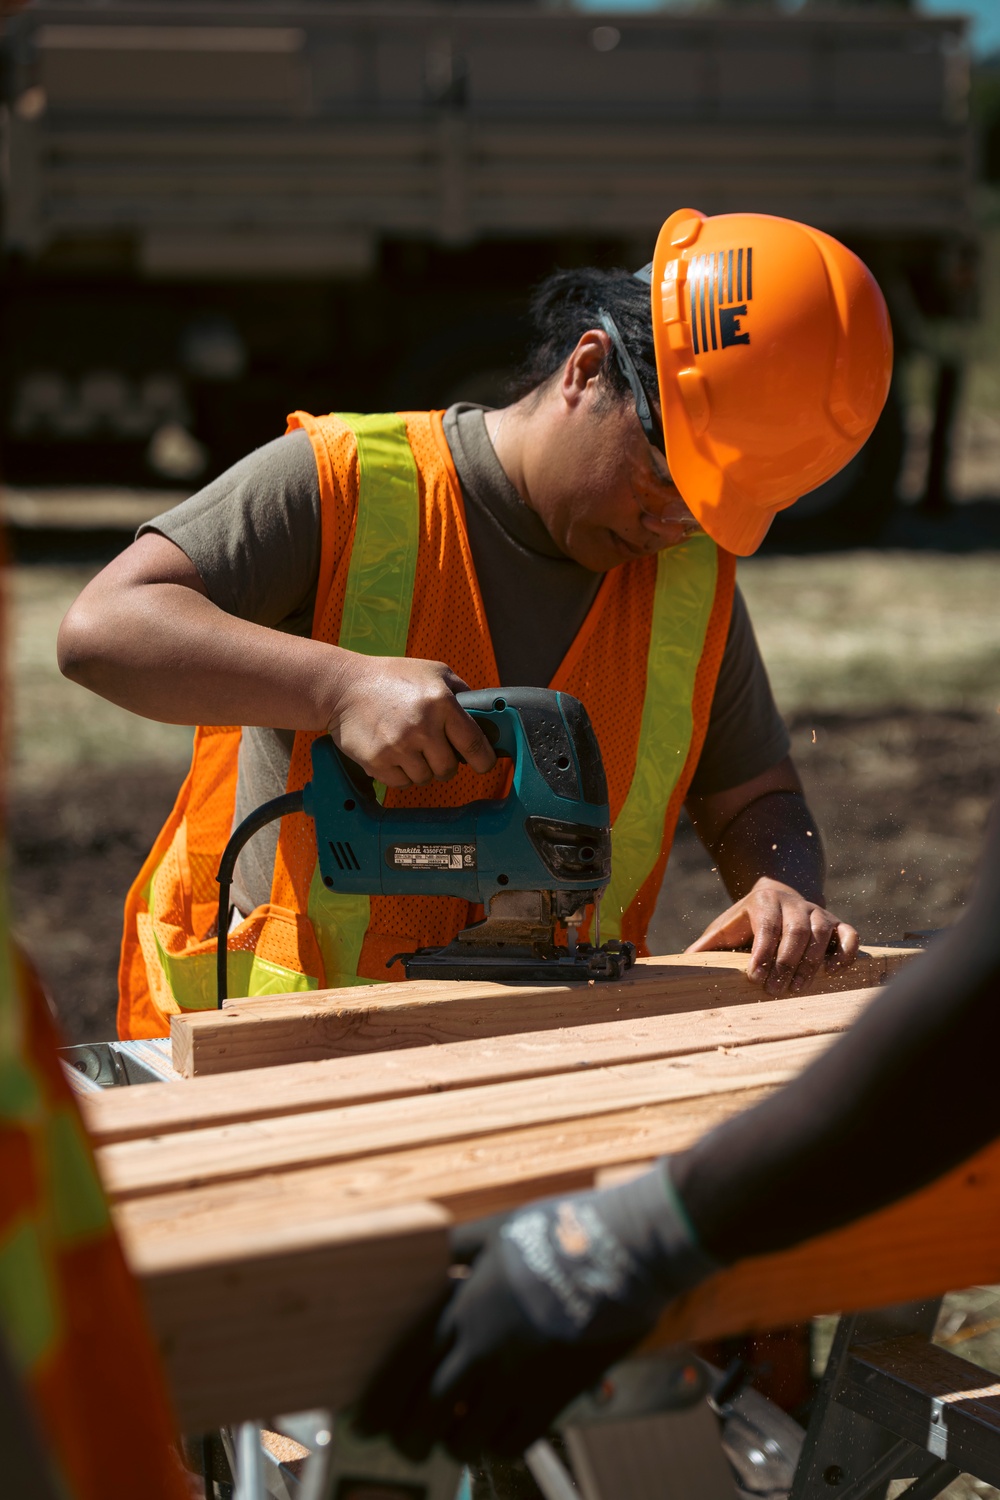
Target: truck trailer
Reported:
point(214, 214)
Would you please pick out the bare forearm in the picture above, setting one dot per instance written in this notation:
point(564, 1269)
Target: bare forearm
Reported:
point(145, 635)
point(775, 836)
point(168, 653)
point(767, 849)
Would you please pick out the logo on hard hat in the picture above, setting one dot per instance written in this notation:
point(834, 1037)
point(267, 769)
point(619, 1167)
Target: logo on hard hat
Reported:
point(721, 288)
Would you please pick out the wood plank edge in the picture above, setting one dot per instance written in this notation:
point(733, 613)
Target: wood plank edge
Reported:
point(200, 1048)
point(212, 1101)
point(299, 1321)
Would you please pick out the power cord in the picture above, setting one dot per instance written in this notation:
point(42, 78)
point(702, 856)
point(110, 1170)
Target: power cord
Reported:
point(278, 807)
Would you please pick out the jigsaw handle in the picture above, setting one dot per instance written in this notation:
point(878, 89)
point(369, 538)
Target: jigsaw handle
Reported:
point(553, 727)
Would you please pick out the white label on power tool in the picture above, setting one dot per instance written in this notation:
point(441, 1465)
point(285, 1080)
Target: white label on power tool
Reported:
point(432, 856)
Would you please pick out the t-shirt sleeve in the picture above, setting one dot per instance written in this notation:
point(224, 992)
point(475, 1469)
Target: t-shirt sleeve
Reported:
point(746, 734)
point(254, 534)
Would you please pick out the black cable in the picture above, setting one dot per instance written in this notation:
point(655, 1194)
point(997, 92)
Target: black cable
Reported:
point(278, 807)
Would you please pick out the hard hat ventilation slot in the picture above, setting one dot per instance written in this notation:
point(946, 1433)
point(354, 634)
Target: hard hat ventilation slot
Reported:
point(694, 394)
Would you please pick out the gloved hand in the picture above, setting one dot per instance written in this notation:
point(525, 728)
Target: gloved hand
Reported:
point(557, 1292)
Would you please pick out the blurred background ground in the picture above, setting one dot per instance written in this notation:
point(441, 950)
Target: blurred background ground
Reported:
point(885, 664)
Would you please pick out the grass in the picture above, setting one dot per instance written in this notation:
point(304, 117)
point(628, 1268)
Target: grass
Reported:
point(59, 727)
point(877, 631)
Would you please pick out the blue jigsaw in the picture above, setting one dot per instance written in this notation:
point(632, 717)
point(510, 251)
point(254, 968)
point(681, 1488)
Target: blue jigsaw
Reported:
point(536, 859)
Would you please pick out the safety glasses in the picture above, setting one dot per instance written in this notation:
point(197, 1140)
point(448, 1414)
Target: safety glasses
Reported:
point(643, 411)
point(675, 512)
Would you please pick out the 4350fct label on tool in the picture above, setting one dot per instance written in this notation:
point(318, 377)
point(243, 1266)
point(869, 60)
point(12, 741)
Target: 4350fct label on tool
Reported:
point(431, 856)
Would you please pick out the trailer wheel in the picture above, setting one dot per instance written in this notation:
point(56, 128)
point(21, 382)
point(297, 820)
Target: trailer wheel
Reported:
point(854, 507)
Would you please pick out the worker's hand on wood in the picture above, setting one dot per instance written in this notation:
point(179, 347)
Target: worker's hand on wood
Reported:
point(790, 938)
point(399, 719)
point(555, 1294)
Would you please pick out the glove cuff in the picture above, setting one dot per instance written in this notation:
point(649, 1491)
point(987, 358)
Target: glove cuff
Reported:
point(649, 1215)
point(581, 1265)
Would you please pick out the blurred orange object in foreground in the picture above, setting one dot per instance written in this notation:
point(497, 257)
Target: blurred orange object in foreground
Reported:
point(72, 1326)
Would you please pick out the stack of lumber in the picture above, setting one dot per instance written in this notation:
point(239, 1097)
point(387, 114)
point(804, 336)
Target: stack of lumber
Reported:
point(287, 1204)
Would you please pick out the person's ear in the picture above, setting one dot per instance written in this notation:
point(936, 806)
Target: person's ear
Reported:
point(582, 370)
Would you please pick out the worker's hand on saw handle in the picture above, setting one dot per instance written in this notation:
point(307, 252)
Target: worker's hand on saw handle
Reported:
point(399, 719)
point(791, 938)
point(556, 1293)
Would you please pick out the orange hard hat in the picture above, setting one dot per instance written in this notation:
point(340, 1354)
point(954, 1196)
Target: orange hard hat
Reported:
point(774, 354)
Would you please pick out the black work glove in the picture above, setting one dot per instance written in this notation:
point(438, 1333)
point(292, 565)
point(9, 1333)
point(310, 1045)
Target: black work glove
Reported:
point(558, 1291)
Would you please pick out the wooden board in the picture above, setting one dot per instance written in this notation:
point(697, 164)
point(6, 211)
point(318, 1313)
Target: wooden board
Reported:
point(480, 1175)
point(292, 1317)
point(288, 1223)
point(223, 1153)
point(306, 1312)
point(157, 1109)
point(372, 1018)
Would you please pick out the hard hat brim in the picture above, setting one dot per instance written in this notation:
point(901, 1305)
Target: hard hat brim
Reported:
point(730, 518)
point(739, 531)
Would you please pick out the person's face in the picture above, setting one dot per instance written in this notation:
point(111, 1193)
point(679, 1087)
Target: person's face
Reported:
point(601, 488)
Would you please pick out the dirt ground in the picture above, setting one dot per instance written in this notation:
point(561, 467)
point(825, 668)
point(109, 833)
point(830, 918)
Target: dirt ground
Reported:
point(901, 799)
point(883, 662)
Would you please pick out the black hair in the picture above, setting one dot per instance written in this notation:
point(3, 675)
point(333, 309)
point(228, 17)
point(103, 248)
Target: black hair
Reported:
point(568, 303)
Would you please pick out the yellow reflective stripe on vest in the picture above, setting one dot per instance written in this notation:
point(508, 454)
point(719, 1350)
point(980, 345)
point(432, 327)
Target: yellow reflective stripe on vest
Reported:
point(193, 977)
point(340, 922)
point(375, 622)
point(379, 595)
point(30, 1318)
point(20, 1095)
point(29, 1308)
point(79, 1209)
point(682, 606)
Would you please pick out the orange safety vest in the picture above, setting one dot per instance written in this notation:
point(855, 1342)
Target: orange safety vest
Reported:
point(396, 578)
point(72, 1326)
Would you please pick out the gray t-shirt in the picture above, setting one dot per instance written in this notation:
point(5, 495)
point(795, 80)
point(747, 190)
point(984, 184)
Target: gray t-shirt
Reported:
point(253, 535)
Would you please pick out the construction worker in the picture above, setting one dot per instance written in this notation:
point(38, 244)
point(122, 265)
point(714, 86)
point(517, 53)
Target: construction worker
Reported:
point(561, 1289)
point(355, 574)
